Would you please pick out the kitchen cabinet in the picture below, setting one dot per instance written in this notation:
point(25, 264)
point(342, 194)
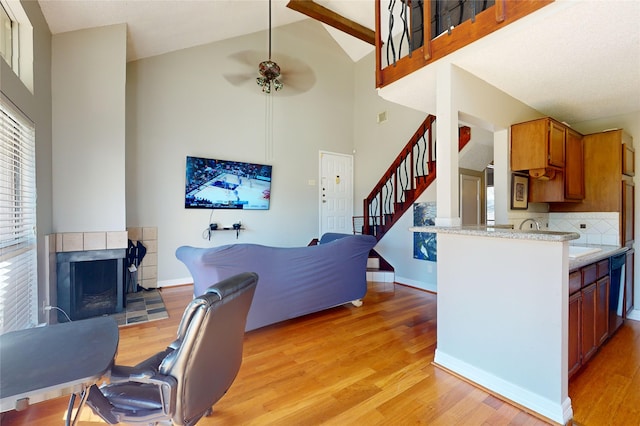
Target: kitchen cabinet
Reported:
point(588, 325)
point(627, 215)
point(575, 320)
point(629, 282)
point(538, 146)
point(607, 188)
point(628, 160)
point(589, 289)
point(561, 177)
point(602, 310)
point(574, 166)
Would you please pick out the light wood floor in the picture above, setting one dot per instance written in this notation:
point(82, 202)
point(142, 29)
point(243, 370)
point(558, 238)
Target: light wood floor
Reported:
point(368, 365)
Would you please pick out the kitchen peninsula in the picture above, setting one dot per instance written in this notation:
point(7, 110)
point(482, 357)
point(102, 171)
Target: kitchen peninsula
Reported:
point(503, 313)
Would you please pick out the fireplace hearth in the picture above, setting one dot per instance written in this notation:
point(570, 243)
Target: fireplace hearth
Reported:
point(90, 283)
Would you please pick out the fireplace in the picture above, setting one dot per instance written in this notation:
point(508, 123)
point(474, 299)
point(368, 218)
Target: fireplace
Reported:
point(90, 283)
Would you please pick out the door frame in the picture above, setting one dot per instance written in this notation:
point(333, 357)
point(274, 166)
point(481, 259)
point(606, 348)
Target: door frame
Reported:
point(482, 207)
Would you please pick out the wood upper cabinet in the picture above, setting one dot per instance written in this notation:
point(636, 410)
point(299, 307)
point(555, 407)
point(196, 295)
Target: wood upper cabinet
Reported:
point(606, 187)
point(538, 147)
point(557, 137)
point(574, 166)
point(627, 213)
point(562, 184)
point(628, 160)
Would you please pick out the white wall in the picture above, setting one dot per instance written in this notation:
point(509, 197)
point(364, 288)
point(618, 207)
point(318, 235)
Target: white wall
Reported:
point(184, 103)
point(88, 104)
point(376, 146)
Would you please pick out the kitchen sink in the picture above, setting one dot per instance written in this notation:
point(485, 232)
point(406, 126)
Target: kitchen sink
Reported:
point(579, 251)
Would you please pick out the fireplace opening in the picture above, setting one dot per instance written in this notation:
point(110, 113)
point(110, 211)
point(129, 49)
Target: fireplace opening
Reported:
point(90, 283)
point(94, 287)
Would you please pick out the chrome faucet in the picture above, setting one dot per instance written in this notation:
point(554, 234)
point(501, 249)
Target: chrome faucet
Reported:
point(531, 220)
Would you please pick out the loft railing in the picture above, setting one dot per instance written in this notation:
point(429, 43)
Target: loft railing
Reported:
point(410, 34)
point(410, 173)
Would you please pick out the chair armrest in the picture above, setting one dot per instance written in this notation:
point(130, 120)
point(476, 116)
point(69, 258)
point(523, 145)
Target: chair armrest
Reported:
point(150, 366)
point(166, 386)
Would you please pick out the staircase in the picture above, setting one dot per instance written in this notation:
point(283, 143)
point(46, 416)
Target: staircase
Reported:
point(409, 175)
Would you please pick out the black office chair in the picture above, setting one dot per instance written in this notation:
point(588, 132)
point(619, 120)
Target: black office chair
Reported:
point(181, 383)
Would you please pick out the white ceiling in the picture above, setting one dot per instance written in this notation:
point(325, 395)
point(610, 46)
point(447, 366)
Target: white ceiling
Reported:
point(573, 60)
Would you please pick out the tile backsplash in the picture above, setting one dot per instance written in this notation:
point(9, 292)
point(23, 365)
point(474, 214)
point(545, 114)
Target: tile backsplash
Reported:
point(594, 228)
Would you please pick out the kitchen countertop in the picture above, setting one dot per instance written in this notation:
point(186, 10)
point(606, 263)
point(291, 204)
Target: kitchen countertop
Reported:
point(499, 232)
point(606, 251)
point(502, 232)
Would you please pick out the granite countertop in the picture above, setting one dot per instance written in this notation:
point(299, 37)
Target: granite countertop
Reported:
point(606, 251)
point(505, 232)
point(499, 232)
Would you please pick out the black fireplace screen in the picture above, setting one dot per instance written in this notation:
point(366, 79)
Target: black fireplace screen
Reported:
point(90, 283)
point(94, 286)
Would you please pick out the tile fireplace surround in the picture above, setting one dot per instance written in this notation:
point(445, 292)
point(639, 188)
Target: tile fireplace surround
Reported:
point(85, 241)
point(101, 290)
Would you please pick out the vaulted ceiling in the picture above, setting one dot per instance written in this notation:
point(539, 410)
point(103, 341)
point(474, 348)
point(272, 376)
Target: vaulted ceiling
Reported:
point(574, 60)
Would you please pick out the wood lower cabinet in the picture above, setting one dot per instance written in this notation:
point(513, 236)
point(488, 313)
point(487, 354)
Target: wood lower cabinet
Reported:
point(575, 321)
point(602, 310)
point(589, 289)
point(588, 341)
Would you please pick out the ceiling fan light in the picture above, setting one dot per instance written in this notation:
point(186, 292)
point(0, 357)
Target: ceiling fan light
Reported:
point(277, 84)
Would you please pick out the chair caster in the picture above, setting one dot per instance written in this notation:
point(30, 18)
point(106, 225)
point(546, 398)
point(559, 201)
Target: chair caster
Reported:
point(357, 303)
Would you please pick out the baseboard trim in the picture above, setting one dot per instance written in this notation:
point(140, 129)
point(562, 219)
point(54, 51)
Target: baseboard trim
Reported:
point(432, 287)
point(175, 283)
point(634, 315)
point(560, 413)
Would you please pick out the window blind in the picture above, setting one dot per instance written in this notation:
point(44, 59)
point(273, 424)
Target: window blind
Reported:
point(18, 243)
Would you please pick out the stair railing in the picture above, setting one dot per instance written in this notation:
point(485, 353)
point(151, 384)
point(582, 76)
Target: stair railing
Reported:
point(410, 173)
point(411, 170)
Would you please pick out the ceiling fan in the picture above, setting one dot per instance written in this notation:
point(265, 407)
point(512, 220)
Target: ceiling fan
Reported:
point(297, 75)
point(269, 70)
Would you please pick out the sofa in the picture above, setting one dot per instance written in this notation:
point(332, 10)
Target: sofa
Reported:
point(293, 281)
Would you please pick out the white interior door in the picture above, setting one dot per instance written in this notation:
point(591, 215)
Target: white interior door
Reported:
point(336, 193)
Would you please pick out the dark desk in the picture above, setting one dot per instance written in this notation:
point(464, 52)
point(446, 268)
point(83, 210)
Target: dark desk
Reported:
point(43, 363)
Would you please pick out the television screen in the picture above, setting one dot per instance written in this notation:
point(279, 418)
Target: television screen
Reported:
point(220, 184)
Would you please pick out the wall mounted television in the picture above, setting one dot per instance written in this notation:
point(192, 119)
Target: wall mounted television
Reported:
point(222, 184)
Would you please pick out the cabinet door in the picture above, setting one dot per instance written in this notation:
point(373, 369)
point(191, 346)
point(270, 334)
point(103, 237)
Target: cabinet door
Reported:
point(628, 160)
point(627, 230)
point(602, 310)
point(629, 268)
point(574, 167)
point(556, 144)
point(588, 338)
point(575, 320)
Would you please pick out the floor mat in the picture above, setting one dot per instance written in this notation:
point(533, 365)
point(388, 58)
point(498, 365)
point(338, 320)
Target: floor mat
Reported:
point(142, 306)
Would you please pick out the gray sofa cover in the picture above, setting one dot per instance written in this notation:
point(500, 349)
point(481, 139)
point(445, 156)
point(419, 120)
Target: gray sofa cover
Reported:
point(293, 281)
